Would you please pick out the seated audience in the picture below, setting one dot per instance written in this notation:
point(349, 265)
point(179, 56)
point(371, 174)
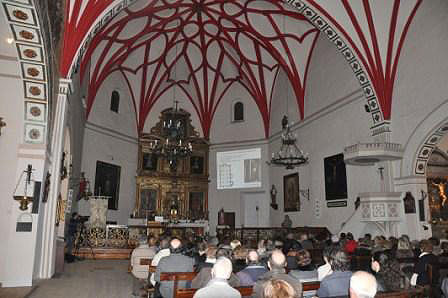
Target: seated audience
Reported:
point(289, 243)
point(276, 265)
point(235, 244)
point(218, 286)
point(291, 257)
point(164, 251)
point(175, 262)
point(362, 285)
point(205, 275)
point(421, 274)
point(277, 288)
point(305, 242)
point(325, 269)
point(363, 248)
point(140, 272)
point(306, 271)
point(350, 244)
point(239, 259)
point(337, 283)
point(404, 249)
point(249, 275)
point(436, 249)
point(388, 273)
point(210, 259)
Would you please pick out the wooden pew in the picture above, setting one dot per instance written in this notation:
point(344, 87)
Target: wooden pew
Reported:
point(189, 293)
point(310, 286)
point(175, 277)
point(418, 292)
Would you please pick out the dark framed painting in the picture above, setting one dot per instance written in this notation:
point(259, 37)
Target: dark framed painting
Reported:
point(148, 200)
point(107, 182)
point(291, 192)
point(335, 177)
point(197, 165)
point(409, 203)
point(196, 204)
point(149, 162)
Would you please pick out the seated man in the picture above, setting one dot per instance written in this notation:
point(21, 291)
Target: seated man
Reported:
point(164, 251)
point(249, 275)
point(362, 285)
point(306, 271)
point(218, 286)
point(140, 272)
point(276, 264)
point(338, 282)
point(175, 262)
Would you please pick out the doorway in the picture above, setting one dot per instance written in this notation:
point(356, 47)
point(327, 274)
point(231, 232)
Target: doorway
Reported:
point(253, 209)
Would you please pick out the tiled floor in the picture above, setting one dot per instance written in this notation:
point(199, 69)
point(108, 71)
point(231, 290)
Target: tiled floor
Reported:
point(89, 279)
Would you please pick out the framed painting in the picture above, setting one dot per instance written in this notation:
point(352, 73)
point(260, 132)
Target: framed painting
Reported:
point(107, 182)
point(148, 201)
point(149, 162)
point(335, 177)
point(197, 165)
point(291, 193)
point(196, 204)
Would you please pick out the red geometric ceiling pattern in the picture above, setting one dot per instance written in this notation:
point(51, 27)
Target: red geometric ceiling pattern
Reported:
point(220, 43)
point(246, 35)
point(376, 31)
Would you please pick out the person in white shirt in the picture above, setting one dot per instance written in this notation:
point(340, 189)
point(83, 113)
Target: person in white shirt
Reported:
point(163, 252)
point(325, 269)
point(140, 272)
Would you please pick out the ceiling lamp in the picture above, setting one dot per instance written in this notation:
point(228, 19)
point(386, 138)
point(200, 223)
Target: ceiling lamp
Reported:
point(289, 155)
point(23, 192)
point(173, 144)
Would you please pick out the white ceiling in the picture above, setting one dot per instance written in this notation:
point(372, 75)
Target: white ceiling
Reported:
point(5, 32)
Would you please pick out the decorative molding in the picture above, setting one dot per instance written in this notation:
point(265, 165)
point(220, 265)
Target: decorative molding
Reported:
point(23, 21)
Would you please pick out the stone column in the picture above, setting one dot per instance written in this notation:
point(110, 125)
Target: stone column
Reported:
point(48, 256)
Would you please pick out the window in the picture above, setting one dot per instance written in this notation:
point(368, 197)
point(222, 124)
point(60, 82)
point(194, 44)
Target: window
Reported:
point(238, 111)
point(115, 101)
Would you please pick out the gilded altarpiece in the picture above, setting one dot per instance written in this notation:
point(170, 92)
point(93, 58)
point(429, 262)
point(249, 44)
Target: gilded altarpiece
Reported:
point(161, 189)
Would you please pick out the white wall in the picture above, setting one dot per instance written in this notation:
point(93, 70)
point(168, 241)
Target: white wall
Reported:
point(112, 138)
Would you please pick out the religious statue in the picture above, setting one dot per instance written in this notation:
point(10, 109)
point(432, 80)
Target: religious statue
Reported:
point(442, 188)
point(287, 222)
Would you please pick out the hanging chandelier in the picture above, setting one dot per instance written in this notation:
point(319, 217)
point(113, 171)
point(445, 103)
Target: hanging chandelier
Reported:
point(173, 144)
point(289, 155)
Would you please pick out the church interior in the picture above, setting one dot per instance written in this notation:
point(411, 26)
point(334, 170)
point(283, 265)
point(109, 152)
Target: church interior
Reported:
point(228, 119)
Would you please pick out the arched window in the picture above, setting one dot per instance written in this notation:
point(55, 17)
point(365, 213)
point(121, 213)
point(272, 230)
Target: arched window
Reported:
point(238, 111)
point(115, 101)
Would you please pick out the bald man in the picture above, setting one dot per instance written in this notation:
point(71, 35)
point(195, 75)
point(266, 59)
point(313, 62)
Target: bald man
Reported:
point(249, 275)
point(277, 264)
point(175, 262)
point(218, 286)
point(363, 285)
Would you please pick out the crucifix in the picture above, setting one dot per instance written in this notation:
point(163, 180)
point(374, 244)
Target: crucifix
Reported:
point(2, 124)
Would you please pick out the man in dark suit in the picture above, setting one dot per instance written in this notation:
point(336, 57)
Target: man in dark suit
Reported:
point(175, 262)
point(276, 264)
point(249, 275)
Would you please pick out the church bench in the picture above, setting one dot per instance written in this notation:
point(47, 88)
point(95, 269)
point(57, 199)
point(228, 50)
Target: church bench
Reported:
point(411, 293)
point(310, 286)
point(189, 293)
point(175, 277)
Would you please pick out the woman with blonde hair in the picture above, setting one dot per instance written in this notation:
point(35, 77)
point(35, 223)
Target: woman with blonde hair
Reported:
point(404, 249)
point(277, 288)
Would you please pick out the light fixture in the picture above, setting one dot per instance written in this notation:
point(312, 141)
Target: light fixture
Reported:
point(173, 144)
point(289, 154)
point(23, 188)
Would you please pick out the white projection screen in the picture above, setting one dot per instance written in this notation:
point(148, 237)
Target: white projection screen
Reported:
point(239, 168)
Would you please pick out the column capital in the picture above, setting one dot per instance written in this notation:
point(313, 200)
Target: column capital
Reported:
point(65, 86)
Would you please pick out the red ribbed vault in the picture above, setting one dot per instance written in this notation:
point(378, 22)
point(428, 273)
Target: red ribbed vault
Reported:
point(204, 47)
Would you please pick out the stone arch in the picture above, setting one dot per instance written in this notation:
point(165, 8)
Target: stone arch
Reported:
point(423, 140)
point(315, 17)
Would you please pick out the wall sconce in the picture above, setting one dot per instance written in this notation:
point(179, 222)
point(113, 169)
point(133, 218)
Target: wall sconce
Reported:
point(273, 192)
point(22, 195)
point(2, 124)
point(305, 193)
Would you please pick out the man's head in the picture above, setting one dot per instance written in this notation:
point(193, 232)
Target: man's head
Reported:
point(252, 257)
point(175, 246)
point(211, 252)
point(290, 236)
point(362, 285)
point(277, 260)
point(222, 268)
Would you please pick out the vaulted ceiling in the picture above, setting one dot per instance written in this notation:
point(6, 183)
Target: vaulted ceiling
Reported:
point(205, 46)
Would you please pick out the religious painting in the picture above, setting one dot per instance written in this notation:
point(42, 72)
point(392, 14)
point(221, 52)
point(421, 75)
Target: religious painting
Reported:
point(197, 165)
point(107, 182)
point(291, 192)
point(409, 203)
point(335, 177)
point(196, 204)
point(148, 201)
point(437, 198)
point(149, 162)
